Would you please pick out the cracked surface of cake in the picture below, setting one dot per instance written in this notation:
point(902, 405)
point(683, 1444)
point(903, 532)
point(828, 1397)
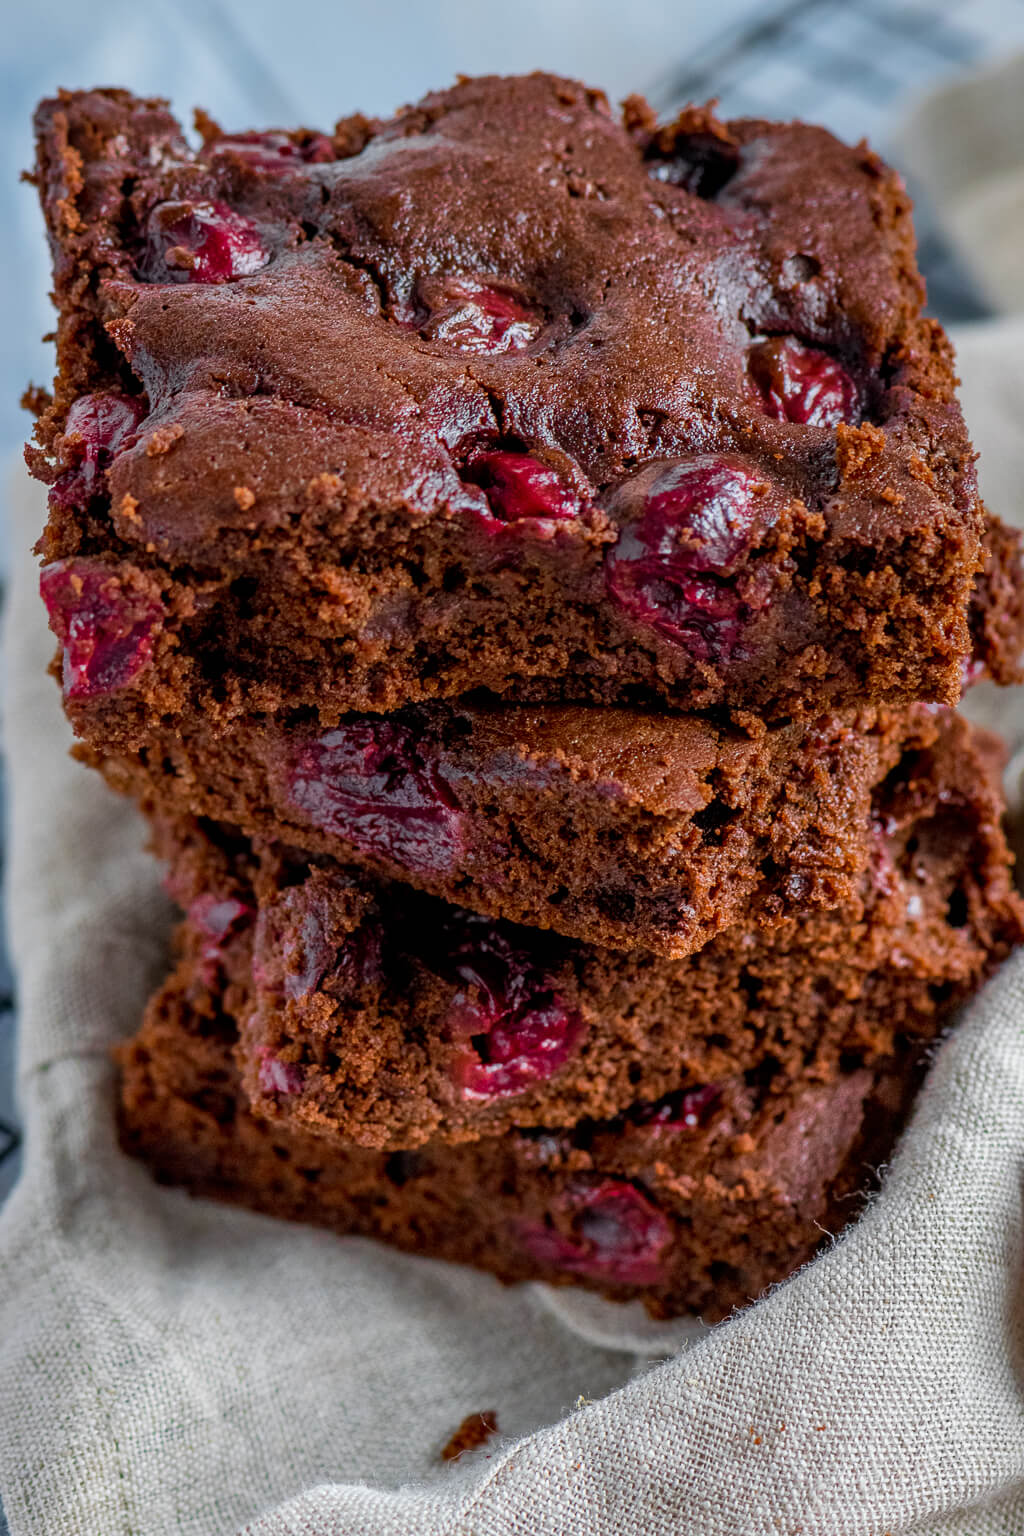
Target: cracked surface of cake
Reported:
point(504, 393)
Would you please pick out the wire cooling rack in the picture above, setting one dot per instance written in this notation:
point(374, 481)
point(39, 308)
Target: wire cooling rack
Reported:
point(854, 65)
point(850, 64)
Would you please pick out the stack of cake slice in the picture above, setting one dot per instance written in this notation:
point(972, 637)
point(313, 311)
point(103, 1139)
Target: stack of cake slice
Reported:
point(521, 563)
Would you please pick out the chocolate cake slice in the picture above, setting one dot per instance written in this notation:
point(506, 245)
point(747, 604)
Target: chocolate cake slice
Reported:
point(372, 1015)
point(505, 392)
point(694, 1203)
point(631, 830)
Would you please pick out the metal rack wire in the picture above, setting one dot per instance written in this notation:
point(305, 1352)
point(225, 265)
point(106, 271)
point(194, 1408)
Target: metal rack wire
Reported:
point(846, 63)
point(852, 65)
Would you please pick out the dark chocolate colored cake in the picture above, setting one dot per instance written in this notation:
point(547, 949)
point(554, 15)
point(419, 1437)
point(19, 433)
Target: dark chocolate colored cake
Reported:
point(519, 558)
point(377, 1017)
point(503, 393)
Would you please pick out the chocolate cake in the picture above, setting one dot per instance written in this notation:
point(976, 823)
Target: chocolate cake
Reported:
point(624, 829)
point(374, 1016)
point(693, 1203)
point(504, 393)
point(519, 557)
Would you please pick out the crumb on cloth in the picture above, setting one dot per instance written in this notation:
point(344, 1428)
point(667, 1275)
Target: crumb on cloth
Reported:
point(476, 1429)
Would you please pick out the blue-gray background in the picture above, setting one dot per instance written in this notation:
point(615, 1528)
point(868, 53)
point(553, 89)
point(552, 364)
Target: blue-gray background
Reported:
point(855, 65)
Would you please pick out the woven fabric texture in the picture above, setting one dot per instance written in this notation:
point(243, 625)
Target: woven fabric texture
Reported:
point(168, 1366)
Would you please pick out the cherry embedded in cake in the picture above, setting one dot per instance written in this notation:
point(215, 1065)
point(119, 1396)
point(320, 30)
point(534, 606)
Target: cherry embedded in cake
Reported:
point(685, 1110)
point(309, 955)
point(277, 1076)
point(374, 783)
point(217, 919)
point(682, 562)
point(607, 1230)
point(200, 242)
point(106, 628)
point(510, 1027)
point(802, 384)
point(97, 428)
point(522, 493)
point(474, 315)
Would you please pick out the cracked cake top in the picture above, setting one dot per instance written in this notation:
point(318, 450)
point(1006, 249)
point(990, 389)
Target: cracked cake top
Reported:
point(667, 386)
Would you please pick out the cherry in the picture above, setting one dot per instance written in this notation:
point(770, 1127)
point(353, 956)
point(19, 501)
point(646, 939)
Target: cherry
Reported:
point(273, 151)
point(510, 1026)
point(521, 491)
point(475, 316)
point(98, 427)
point(106, 629)
point(685, 1111)
point(310, 948)
point(218, 919)
point(96, 430)
point(802, 384)
point(615, 1233)
point(371, 783)
point(302, 949)
point(201, 242)
point(679, 567)
point(277, 1076)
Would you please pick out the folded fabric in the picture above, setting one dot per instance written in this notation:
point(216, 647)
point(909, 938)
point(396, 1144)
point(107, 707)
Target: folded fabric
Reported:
point(962, 143)
point(169, 1366)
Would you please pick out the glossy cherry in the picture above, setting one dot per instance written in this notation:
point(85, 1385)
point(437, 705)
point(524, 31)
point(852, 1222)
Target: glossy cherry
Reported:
point(680, 564)
point(200, 242)
point(106, 629)
point(802, 384)
point(509, 1024)
point(371, 783)
point(521, 493)
point(97, 428)
point(474, 315)
point(607, 1230)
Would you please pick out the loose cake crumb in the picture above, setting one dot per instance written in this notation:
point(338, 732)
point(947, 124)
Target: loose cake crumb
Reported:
point(856, 447)
point(475, 1430)
point(163, 438)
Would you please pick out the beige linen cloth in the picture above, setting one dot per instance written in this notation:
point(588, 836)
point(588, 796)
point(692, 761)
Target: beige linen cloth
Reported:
point(171, 1366)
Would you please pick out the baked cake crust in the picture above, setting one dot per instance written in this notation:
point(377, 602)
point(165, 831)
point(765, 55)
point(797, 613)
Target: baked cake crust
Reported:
point(500, 393)
point(631, 830)
point(375, 1016)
